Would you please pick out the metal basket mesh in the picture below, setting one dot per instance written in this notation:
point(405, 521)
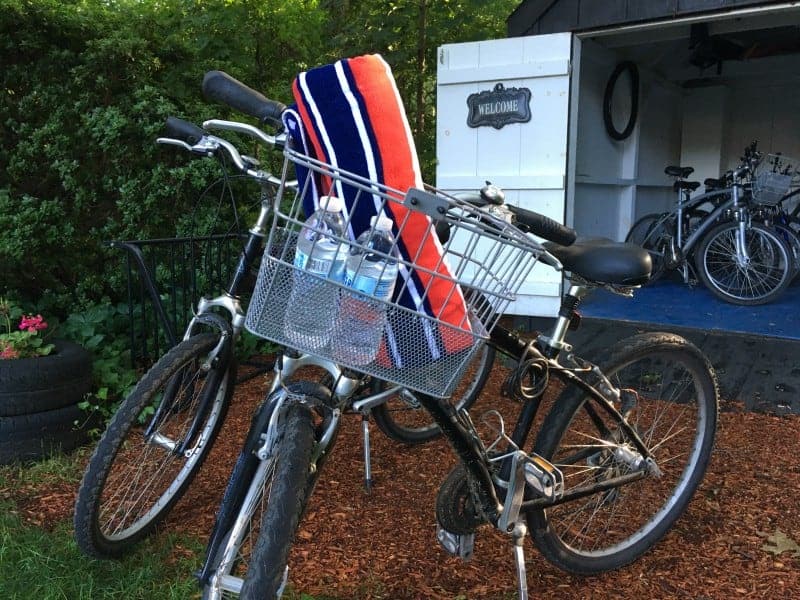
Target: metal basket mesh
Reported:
point(484, 261)
point(777, 175)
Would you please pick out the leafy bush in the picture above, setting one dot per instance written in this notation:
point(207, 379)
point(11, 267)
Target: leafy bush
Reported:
point(86, 86)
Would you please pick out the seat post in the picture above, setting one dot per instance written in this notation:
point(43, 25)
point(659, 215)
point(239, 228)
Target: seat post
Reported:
point(569, 304)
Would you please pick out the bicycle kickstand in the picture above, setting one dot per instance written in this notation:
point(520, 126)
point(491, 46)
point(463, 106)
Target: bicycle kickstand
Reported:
point(367, 460)
point(518, 535)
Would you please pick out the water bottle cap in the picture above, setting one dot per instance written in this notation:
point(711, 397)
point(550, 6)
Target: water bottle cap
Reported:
point(331, 203)
point(381, 222)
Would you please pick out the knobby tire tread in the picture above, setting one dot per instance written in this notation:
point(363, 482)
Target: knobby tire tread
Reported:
point(292, 482)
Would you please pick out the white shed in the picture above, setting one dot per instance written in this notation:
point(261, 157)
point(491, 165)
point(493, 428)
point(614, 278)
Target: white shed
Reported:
point(713, 76)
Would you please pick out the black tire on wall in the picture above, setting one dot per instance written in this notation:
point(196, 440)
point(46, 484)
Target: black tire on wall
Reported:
point(39, 435)
point(45, 383)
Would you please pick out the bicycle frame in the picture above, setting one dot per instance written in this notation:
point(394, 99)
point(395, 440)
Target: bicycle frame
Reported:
point(733, 202)
point(457, 426)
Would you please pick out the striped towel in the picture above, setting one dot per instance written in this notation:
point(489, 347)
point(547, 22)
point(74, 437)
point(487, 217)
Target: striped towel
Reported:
point(350, 115)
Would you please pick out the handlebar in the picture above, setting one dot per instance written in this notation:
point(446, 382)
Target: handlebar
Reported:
point(223, 88)
point(198, 141)
point(527, 221)
point(184, 131)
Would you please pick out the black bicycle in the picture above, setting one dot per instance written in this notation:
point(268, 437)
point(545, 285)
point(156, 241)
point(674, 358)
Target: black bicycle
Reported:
point(614, 463)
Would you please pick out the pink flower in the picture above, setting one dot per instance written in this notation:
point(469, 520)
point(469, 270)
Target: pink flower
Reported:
point(8, 353)
point(32, 324)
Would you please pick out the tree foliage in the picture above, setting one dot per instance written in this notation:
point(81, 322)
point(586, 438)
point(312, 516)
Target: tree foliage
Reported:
point(87, 84)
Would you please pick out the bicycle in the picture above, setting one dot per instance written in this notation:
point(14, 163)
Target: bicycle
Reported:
point(738, 259)
point(162, 432)
point(646, 419)
point(771, 190)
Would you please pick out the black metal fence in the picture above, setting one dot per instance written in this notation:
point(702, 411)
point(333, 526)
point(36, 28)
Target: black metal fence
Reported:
point(165, 279)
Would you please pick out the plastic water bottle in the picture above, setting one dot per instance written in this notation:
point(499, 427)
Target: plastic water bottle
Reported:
point(310, 312)
point(361, 321)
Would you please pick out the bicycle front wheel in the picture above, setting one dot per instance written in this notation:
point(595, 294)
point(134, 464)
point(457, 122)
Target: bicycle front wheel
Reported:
point(151, 450)
point(251, 562)
point(402, 417)
point(756, 279)
point(669, 396)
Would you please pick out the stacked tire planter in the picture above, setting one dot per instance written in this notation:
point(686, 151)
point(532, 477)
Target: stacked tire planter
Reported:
point(39, 413)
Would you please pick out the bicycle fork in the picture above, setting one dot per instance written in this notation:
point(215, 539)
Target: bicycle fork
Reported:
point(743, 221)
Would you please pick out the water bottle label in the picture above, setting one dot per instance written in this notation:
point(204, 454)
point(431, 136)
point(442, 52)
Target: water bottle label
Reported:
point(320, 266)
point(377, 288)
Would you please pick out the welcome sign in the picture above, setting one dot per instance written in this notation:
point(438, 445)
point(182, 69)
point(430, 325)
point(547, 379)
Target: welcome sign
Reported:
point(499, 107)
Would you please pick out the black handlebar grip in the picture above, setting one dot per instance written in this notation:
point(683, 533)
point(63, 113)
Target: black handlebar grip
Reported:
point(183, 130)
point(223, 88)
point(545, 227)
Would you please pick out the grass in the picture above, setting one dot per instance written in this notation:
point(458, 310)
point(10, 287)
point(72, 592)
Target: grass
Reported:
point(47, 565)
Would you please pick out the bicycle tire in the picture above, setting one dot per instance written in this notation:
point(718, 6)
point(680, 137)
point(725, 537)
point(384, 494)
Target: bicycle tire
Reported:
point(278, 491)
point(680, 403)
point(648, 232)
point(765, 277)
point(404, 420)
point(792, 239)
point(130, 486)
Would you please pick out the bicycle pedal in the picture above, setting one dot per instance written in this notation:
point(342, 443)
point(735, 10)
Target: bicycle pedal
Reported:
point(454, 544)
point(544, 477)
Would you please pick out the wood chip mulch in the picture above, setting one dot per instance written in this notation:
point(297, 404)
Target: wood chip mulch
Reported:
point(739, 537)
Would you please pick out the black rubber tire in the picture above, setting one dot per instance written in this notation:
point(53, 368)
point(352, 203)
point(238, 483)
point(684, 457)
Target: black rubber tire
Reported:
point(405, 421)
point(122, 458)
point(608, 95)
point(792, 239)
point(566, 435)
point(35, 436)
point(648, 232)
point(277, 514)
point(34, 385)
point(771, 269)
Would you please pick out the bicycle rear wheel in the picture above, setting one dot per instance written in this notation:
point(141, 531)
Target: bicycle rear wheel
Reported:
point(669, 396)
point(403, 419)
point(139, 469)
point(251, 562)
point(650, 232)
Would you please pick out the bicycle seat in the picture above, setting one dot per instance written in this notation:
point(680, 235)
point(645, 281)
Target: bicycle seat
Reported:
point(681, 172)
point(604, 261)
point(686, 185)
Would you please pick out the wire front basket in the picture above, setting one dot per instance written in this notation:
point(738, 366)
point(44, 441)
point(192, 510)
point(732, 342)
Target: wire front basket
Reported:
point(449, 291)
point(776, 176)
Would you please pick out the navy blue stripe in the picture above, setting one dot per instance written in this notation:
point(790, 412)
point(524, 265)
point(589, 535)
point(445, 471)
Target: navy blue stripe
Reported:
point(402, 293)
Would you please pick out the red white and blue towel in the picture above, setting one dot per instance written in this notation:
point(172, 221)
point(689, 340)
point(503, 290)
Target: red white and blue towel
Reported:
point(350, 115)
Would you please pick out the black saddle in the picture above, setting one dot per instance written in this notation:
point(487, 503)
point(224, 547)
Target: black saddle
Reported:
point(604, 261)
point(682, 172)
point(686, 185)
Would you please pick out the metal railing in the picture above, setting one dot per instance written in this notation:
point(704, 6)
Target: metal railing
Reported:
point(165, 278)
